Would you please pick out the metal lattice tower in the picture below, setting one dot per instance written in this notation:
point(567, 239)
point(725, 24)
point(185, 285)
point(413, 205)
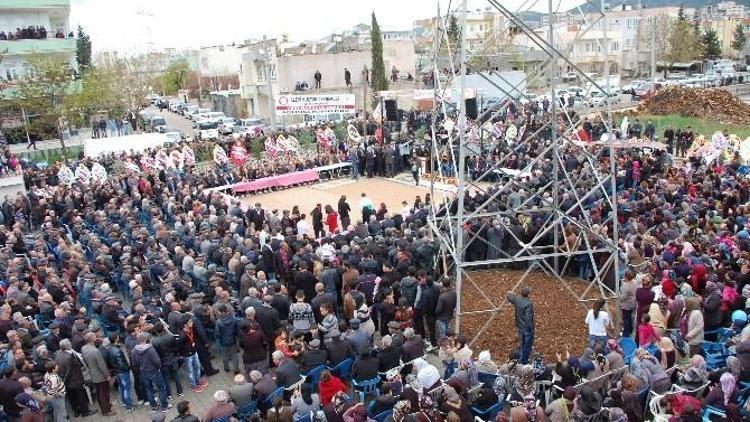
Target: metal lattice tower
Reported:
point(559, 201)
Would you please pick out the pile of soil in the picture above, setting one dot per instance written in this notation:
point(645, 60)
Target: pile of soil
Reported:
point(559, 315)
point(711, 104)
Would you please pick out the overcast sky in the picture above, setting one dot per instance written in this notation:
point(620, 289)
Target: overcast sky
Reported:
point(123, 25)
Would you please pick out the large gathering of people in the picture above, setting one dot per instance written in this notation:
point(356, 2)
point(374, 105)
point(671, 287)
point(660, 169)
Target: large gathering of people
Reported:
point(31, 33)
point(144, 281)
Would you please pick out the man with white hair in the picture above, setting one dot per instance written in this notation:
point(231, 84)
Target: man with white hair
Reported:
point(242, 391)
point(222, 408)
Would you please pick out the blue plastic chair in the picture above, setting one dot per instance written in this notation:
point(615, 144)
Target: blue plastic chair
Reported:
point(709, 411)
point(306, 418)
point(246, 411)
point(366, 387)
point(643, 397)
point(627, 346)
point(268, 402)
point(489, 413)
point(381, 417)
point(344, 368)
point(314, 375)
point(224, 419)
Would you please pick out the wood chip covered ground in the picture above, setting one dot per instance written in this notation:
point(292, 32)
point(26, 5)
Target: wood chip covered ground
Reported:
point(712, 104)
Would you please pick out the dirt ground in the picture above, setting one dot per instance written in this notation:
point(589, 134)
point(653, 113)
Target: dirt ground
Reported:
point(328, 193)
point(559, 316)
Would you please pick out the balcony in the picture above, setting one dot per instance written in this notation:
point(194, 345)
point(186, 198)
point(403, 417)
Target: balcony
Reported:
point(38, 46)
point(33, 4)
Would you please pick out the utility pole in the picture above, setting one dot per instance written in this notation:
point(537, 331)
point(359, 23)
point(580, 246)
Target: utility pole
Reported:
point(653, 47)
point(271, 101)
point(364, 95)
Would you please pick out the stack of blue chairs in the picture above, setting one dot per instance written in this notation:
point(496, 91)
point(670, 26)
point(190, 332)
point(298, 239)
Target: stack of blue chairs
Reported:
point(627, 346)
point(715, 354)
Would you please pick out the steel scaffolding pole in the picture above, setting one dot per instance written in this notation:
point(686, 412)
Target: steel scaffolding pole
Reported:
point(461, 165)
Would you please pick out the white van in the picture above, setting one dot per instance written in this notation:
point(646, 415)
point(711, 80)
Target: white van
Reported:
point(197, 113)
point(207, 129)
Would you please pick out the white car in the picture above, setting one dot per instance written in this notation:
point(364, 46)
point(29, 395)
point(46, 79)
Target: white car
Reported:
point(174, 105)
point(630, 87)
point(226, 125)
point(576, 90)
point(251, 126)
point(207, 129)
point(599, 99)
point(173, 137)
point(196, 114)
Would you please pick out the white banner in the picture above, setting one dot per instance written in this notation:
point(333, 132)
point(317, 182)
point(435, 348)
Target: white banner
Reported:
point(445, 94)
point(313, 104)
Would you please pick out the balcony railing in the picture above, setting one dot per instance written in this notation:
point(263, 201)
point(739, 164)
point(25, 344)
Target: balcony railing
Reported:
point(48, 45)
point(33, 4)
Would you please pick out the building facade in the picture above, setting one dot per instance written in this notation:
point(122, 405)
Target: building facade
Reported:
point(34, 27)
point(258, 63)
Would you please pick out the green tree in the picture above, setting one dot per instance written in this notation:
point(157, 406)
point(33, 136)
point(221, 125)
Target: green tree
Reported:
point(98, 93)
point(739, 40)
point(711, 44)
point(453, 31)
point(684, 45)
point(175, 77)
point(43, 95)
point(379, 80)
point(83, 49)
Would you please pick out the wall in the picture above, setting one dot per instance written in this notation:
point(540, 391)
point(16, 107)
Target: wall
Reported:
point(292, 69)
point(219, 61)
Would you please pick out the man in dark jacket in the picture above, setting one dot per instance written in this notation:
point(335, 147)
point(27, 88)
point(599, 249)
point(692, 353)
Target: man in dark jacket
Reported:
point(287, 372)
point(314, 356)
point(268, 318)
point(227, 327)
point(413, 346)
point(166, 346)
point(322, 297)
point(254, 344)
point(365, 367)
point(338, 349)
point(388, 356)
point(70, 369)
point(146, 359)
point(344, 210)
point(428, 303)
point(317, 221)
point(305, 280)
point(524, 322)
point(445, 307)
point(119, 366)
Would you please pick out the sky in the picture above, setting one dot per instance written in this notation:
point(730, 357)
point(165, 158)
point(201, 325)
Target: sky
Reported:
point(132, 26)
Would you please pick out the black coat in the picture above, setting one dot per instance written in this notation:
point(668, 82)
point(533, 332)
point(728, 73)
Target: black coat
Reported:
point(338, 351)
point(388, 358)
point(365, 368)
point(287, 374)
point(446, 304)
point(268, 319)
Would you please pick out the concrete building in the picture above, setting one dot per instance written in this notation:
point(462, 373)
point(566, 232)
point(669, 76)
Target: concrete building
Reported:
point(220, 60)
point(724, 28)
point(17, 16)
point(253, 78)
point(721, 10)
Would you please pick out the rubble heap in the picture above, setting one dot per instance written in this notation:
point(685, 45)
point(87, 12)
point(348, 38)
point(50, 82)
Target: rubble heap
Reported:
point(712, 104)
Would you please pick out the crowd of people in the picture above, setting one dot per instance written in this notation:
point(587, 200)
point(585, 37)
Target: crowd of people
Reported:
point(145, 279)
point(31, 33)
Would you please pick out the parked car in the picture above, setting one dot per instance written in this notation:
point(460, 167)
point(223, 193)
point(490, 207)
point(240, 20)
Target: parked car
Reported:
point(599, 99)
point(188, 109)
point(207, 129)
point(173, 135)
point(251, 126)
point(152, 98)
point(226, 125)
point(174, 105)
point(196, 114)
point(156, 123)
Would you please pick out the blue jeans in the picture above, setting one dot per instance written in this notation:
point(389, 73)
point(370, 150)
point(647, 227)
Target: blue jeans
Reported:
point(527, 341)
point(193, 369)
point(171, 372)
point(600, 341)
point(123, 385)
point(442, 328)
point(149, 381)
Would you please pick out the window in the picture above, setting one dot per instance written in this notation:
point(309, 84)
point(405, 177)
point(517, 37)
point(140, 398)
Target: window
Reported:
point(630, 43)
point(632, 23)
point(587, 47)
point(615, 46)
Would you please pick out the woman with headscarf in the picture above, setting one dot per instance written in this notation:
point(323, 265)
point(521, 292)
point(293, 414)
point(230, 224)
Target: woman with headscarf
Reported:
point(658, 314)
point(692, 325)
point(561, 409)
point(485, 364)
point(626, 398)
point(588, 402)
point(666, 353)
point(530, 411)
point(696, 375)
point(712, 315)
point(401, 410)
point(725, 396)
point(567, 371)
point(356, 413)
point(452, 402)
point(524, 383)
point(649, 371)
point(644, 296)
point(428, 411)
point(465, 377)
point(615, 361)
